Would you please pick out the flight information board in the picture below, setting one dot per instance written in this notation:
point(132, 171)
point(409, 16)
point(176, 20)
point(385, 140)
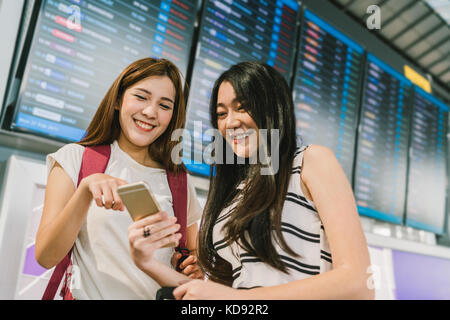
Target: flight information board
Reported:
point(327, 88)
point(81, 46)
point(382, 147)
point(232, 31)
point(427, 181)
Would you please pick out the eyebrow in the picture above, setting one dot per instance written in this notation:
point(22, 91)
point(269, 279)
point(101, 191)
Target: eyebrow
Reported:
point(235, 100)
point(149, 93)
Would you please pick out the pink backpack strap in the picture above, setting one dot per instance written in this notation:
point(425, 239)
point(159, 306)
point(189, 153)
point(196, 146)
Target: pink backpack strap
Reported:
point(95, 160)
point(178, 188)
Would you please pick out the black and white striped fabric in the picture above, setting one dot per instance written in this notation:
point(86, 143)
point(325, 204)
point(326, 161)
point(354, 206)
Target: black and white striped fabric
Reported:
point(303, 231)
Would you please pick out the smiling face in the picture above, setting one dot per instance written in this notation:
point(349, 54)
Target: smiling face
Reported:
point(235, 123)
point(146, 111)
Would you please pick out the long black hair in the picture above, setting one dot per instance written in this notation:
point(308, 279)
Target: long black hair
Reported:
point(265, 95)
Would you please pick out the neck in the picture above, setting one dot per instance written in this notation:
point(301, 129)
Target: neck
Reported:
point(138, 153)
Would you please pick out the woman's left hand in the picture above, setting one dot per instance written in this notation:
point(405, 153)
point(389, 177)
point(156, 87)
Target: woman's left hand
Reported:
point(161, 231)
point(189, 266)
point(206, 290)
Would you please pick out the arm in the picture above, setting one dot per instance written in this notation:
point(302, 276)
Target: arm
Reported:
point(65, 209)
point(333, 197)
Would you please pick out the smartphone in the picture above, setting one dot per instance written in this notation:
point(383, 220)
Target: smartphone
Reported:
point(139, 200)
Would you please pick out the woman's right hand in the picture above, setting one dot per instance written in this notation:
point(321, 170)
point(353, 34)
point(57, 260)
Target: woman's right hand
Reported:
point(103, 188)
point(161, 231)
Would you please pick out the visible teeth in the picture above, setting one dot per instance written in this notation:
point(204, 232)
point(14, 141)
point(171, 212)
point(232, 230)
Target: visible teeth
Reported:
point(239, 136)
point(144, 125)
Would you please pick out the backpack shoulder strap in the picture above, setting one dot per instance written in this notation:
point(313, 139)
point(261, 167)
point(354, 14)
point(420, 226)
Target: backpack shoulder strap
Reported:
point(178, 188)
point(95, 160)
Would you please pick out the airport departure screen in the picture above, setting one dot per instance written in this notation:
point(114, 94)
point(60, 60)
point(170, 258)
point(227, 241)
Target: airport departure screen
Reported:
point(80, 47)
point(382, 147)
point(230, 32)
point(427, 180)
point(327, 88)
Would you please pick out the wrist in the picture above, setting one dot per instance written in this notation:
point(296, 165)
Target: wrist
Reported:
point(252, 294)
point(150, 267)
point(83, 189)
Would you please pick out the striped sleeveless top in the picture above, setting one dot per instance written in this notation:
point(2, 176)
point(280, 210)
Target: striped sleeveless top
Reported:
point(301, 228)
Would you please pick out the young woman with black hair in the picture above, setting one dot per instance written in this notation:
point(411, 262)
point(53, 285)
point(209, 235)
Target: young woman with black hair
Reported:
point(292, 234)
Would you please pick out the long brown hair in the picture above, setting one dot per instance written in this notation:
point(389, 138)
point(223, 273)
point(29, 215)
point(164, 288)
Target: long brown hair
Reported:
point(105, 126)
point(255, 221)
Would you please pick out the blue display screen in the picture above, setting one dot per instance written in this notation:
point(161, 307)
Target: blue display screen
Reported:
point(327, 88)
point(427, 179)
point(382, 152)
point(80, 47)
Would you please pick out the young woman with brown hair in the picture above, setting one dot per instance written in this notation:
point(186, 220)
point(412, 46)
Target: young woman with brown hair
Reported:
point(137, 116)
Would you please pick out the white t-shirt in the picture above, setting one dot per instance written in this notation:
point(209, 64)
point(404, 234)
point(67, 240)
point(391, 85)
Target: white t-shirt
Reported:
point(101, 255)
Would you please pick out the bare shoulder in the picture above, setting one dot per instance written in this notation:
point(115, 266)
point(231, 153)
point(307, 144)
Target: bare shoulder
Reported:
point(318, 152)
point(319, 160)
point(317, 156)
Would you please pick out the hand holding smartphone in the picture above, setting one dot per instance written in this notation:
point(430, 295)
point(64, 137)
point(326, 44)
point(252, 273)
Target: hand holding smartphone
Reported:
point(139, 201)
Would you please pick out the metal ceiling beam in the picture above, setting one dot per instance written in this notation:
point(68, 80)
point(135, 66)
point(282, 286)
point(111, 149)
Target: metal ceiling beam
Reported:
point(427, 34)
point(402, 52)
point(381, 3)
point(437, 45)
point(347, 6)
point(439, 60)
point(408, 27)
point(443, 72)
point(398, 13)
point(437, 15)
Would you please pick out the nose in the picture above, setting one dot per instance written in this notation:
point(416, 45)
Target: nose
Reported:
point(232, 121)
point(150, 110)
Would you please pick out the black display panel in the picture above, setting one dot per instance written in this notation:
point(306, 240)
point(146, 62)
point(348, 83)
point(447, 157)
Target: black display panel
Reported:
point(382, 147)
point(327, 88)
point(81, 46)
point(427, 180)
point(230, 32)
